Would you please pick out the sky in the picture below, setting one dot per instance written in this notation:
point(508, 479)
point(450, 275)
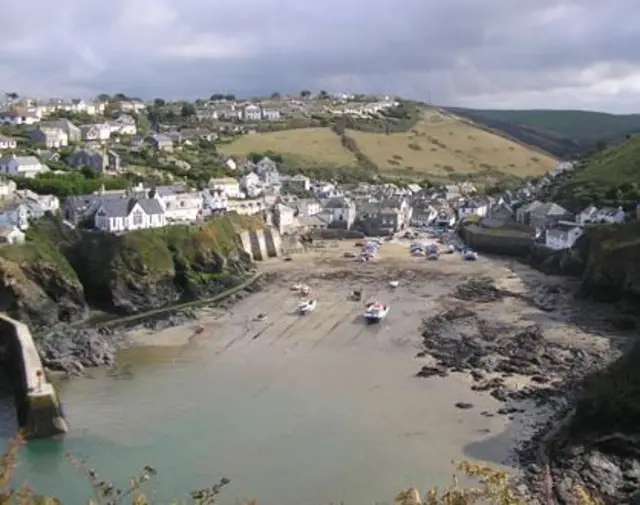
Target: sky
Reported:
point(579, 54)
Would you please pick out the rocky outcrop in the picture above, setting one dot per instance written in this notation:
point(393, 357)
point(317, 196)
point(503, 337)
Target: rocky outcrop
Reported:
point(59, 273)
point(40, 293)
point(612, 269)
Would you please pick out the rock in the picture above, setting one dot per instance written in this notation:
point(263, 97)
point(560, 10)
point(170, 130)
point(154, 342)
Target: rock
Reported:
point(71, 351)
point(430, 371)
point(479, 290)
point(464, 405)
point(461, 341)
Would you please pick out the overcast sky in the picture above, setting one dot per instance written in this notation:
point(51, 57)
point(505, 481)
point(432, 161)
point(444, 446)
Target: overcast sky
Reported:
point(476, 53)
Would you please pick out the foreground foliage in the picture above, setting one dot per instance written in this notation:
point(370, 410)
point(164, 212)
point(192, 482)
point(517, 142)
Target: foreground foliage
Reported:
point(493, 488)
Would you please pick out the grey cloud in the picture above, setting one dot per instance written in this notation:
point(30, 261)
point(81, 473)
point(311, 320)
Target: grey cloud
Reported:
point(471, 52)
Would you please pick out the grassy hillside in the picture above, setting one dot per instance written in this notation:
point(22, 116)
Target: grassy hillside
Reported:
point(439, 147)
point(564, 133)
point(609, 177)
point(312, 146)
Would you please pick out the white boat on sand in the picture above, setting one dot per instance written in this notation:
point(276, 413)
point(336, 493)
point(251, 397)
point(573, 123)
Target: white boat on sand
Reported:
point(376, 312)
point(307, 306)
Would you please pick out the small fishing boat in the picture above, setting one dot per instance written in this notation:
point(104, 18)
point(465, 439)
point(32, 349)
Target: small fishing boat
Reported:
point(261, 317)
point(307, 306)
point(470, 255)
point(376, 312)
point(394, 284)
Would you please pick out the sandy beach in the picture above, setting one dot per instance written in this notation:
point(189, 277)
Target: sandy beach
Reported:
point(333, 349)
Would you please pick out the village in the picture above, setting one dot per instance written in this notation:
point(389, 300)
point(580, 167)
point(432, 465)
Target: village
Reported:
point(294, 204)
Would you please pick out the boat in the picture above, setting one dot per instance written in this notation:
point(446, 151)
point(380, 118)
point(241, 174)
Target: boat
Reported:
point(296, 287)
point(470, 255)
point(394, 284)
point(376, 312)
point(261, 317)
point(307, 306)
point(305, 290)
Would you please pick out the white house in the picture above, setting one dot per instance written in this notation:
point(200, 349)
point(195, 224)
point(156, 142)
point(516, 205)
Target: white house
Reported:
point(266, 164)
point(247, 207)
point(123, 125)
point(251, 184)
point(473, 207)
point(296, 183)
point(7, 143)
point(18, 118)
point(231, 164)
point(128, 214)
point(592, 214)
point(22, 166)
point(340, 210)
point(308, 207)
point(229, 185)
point(100, 131)
point(252, 113)
point(11, 235)
point(179, 205)
point(562, 236)
point(214, 201)
point(16, 214)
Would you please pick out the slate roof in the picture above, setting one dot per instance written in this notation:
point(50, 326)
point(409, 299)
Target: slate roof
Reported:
point(122, 207)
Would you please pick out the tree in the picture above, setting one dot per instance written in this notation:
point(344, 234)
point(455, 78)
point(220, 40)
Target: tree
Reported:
point(188, 110)
point(217, 96)
point(103, 97)
point(142, 124)
point(12, 95)
point(275, 95)
point(229, 97)
point(305, 93)
point(121, 97)
point(323, 95)
point(159, 102)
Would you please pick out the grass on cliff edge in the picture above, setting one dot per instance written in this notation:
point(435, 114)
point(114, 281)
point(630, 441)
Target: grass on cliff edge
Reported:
point(493, 488)
point(156, 247)
point(40, 247)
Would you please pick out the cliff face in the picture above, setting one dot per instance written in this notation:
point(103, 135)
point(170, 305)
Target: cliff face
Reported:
point(612, 266)
point(59, 273)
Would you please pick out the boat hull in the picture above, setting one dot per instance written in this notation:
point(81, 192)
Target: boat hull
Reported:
point(307, 308)
point(375, 317)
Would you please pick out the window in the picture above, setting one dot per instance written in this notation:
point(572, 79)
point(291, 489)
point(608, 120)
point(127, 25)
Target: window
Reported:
point(137, 218)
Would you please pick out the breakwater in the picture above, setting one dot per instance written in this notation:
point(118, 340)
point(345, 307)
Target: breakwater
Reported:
point(37, 403)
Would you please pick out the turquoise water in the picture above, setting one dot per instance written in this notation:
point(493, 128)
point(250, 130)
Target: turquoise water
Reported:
point(281, 436)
